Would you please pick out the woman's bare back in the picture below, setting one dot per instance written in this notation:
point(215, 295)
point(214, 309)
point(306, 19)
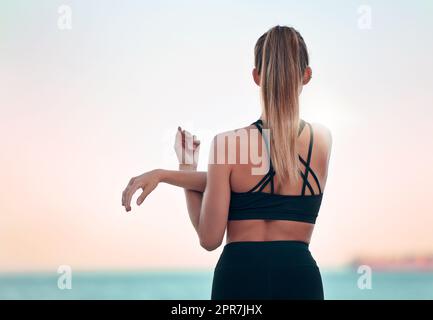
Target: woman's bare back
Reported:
point(241, 180)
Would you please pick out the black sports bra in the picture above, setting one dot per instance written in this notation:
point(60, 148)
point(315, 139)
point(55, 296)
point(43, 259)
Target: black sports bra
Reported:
point(256, 204)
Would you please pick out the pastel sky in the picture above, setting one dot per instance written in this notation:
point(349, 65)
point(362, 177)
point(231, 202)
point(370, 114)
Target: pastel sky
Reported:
point(85, 109)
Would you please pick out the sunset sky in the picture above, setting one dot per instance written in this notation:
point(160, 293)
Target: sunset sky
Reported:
point(82, 110)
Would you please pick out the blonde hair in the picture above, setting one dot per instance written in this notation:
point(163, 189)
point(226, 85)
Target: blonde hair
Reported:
point(281, 58)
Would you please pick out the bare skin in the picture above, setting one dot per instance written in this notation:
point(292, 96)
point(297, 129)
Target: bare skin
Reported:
point(208, 193)
point(267, 230)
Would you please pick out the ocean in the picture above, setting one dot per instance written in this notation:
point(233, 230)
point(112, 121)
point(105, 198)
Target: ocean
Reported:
point(195, 285)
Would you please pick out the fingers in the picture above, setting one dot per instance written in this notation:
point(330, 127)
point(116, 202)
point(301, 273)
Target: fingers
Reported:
point(196, 148)
point(141, 198)
point(187, 138)
point(126, 190)
point(178, 138)
point(143, 195)
point(127, 195)
point(196, 142)
point(190, 146)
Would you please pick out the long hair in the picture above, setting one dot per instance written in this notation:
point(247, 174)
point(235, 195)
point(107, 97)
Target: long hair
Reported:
point(281, 57)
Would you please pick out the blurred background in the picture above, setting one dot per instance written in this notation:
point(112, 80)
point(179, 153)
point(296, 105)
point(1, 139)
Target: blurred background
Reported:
point(92, 92)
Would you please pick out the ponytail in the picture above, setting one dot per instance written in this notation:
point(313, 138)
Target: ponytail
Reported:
point(280, 59)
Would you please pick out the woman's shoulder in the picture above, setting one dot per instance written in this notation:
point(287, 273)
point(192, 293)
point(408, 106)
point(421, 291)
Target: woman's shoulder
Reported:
point(322, 132)
point(322, 139)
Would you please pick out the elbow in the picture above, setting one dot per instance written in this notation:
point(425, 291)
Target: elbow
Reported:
point(210, 237)
point(209, 245)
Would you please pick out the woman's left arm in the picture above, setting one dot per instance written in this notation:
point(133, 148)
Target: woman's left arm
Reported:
point(207, 197)
point(215, 206)
point(208, 210)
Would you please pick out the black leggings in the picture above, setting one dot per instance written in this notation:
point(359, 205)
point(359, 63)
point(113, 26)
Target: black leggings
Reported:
point(280, 269)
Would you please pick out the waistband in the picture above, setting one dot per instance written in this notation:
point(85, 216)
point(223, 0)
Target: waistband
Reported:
point(258, 254)
point(271, 243)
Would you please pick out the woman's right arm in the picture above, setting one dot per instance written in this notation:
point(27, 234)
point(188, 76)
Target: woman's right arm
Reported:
point(187, 179)
point(148, 181)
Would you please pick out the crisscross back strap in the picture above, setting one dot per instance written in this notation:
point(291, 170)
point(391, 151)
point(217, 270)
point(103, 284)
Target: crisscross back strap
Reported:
point(307, 166)
point(269, 176)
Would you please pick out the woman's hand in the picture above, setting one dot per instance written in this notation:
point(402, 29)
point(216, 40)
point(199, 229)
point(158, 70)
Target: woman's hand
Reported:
point(187, 148)
point(147, 182)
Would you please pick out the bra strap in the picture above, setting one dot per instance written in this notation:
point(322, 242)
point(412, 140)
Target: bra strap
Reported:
point(312, 173)
point(261, 184)
point(269, 177)
point(307, 165)
point(271, 173)
point(306, 182)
